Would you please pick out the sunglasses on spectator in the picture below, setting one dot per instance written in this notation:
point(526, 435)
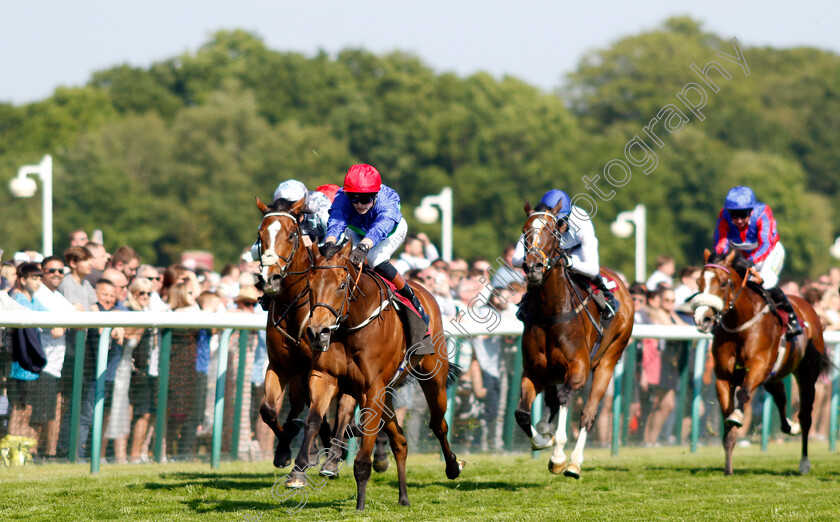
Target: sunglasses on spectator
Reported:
point(740, 214)
point(54, 270)
point(156, 278)
point(667, 300)
point(362, 199)
point(143, 294)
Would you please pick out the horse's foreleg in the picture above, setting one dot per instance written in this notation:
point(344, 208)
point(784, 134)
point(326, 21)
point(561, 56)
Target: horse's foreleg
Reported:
point(557, 462)
point(726, 398)
point(346, 405)
point(322, 388)
point(370, 423)
point(600, 381)
point(527, 395)
point(272, 402)
point(777, 391)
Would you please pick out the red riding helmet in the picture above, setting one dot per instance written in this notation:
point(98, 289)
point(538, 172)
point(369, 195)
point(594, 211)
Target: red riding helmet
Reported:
point(329, 190)
point(362, 178)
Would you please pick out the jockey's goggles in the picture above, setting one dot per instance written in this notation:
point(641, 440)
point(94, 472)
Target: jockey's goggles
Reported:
point(740, 213)
point(361, 199)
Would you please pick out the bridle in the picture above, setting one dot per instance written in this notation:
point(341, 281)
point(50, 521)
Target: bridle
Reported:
point(557, 254)
point(730, 305)
point(342, 313)
point(271, 258)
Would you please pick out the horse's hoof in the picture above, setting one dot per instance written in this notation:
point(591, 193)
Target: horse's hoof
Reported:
point(461, 464)
point(381, 466)
point(804, 466)
point(795, 428)
point(282, 458)
point(556, 468)
point(453, 472)
point(541, 442)
point(735, 419)
point(404, 502)
point(296, 483)
point(572, 470)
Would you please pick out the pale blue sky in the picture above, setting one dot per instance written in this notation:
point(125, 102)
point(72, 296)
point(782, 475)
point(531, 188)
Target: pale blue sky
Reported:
point(44, 44)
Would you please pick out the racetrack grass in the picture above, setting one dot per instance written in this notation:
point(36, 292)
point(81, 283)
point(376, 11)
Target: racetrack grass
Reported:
point(640, 484)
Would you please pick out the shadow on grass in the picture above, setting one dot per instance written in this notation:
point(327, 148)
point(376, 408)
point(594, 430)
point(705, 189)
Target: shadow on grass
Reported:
point(464, 485)
point(719, 471)
point(223, 483)
point(227, 506)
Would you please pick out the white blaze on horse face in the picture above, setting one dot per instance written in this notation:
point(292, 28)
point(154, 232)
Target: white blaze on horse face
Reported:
point(706, 302)
point(269, 256)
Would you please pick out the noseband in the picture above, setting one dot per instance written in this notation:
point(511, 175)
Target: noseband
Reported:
point(342, 313)
point(728, 307)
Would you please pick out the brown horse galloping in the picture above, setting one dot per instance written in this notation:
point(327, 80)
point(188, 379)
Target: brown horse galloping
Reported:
point(285, 263)
point(749, 349)
point(355, 308)
point(559, 338)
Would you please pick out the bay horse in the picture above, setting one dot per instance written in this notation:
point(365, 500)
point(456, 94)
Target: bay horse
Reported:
point(373, 356)
point(560, 340)
point(285, 264)
point(749, 348)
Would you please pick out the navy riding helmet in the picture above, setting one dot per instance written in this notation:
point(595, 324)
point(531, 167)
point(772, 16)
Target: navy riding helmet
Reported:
point(740, 198)
point(553, 197)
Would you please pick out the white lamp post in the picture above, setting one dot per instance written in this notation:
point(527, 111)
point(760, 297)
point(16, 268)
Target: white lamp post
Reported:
point(834, 250)
point(427, 213)
point(623, 226)
point(23, 187)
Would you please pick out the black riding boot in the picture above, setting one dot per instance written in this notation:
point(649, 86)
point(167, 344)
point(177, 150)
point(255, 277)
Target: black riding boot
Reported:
point(611, 307)
point(783, 304)
point(408, 293)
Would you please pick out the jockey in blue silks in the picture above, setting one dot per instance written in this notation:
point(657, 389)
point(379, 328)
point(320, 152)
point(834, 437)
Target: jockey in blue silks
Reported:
point(748, 225)
point(370, 214)
point(577, 239)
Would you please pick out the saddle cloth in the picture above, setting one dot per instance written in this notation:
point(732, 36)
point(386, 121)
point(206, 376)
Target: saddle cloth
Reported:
point(417, 333)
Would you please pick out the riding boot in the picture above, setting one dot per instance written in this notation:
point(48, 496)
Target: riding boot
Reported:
point(611, 307)
point(783, 303)
point(408, 293)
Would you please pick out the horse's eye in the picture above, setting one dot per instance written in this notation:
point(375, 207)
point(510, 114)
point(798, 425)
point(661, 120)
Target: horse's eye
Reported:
point(342, 287)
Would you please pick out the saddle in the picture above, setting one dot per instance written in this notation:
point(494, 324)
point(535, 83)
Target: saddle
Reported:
point(780, 315)
point(417, 334)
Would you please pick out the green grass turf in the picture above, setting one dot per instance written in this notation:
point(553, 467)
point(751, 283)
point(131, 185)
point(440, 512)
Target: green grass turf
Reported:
point(639, 484)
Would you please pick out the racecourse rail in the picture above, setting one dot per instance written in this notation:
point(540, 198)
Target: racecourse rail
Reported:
point(466, 327)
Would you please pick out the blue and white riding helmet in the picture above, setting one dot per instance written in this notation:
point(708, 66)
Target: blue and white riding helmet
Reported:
point(740, 198)
point(553, 197)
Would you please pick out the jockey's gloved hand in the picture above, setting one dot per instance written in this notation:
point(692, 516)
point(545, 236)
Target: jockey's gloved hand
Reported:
point(566, 259)
point(359, 254)
point(329, 249)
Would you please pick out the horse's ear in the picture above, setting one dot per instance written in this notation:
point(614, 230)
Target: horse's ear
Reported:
point(345, 250)
point(262, 206)
point(706, 255)
point(528, 208)
point(297, 208)
point(730, 257)
point(557, 207)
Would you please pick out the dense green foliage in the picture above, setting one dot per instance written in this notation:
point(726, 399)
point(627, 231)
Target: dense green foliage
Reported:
point(639, 484)
point(169, 158)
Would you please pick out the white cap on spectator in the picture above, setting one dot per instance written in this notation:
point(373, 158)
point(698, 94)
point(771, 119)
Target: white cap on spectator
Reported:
point(22, 257)
point(247, 257)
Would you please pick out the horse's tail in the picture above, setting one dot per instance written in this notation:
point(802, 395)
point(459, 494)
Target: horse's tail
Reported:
point(824, 359)
point(455, 373)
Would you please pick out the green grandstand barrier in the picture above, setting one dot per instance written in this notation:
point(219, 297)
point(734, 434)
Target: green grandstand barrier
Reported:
point(240, 392)
point(163, 394)
point(76, 401)
point(219, 409)
point(99, 405)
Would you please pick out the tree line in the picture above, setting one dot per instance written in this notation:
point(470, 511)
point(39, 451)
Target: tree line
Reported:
point(169, 158)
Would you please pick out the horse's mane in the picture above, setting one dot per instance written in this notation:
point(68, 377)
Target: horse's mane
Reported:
point(740, 263)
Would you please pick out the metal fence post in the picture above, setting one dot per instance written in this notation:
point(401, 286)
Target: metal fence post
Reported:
point(618, 376)
point(513, 396)
point(240, 393)
point(76, 397)
point(682, 389)
point(163, 394)
point(218, 413)
point(631, 353)
point(99, 405)
point(697, 396)
point(835, 398)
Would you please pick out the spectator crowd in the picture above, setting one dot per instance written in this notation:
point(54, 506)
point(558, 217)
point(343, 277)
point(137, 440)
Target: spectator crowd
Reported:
point(36, 365)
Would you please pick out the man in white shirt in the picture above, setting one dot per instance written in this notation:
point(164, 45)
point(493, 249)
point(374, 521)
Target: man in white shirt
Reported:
point(54, 349)
point(418, 255)
point(664, 273)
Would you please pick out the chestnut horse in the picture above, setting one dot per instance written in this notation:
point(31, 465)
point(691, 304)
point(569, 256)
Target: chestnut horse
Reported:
point(749, 348)
point(285, 263)
point(355, 308)
point(559, 341)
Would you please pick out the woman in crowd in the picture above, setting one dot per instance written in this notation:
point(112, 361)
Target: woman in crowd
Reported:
point(184, 413)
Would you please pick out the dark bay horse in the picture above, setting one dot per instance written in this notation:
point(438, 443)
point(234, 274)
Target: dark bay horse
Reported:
point(285, 263)
point(750, 350)
point(354, 307)
point(559, 341)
